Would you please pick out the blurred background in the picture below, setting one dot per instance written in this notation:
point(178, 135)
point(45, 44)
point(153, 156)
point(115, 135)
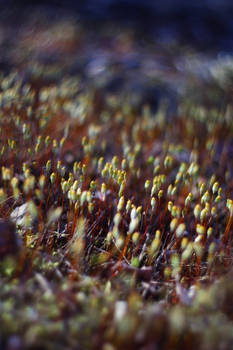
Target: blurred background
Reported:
point(207, 23)
point(145, 52)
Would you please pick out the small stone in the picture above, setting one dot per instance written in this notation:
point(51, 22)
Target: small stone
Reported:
point(19, 213)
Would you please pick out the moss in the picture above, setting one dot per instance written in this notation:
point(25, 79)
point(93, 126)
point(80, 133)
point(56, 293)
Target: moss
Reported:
point(122, 234)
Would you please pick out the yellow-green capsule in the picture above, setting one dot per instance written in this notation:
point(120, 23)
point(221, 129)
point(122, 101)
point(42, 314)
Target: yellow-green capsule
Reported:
point(169, 189)
point(100, 163)
point(53, 178)
point(209, 232)
point(117, 219)
point(48, 165)
point(173, 191)
point(203, 214)
point(14, 182)
point(59, 165)
point(168, 161)
point(93, 185)
point(173, 224)
point(202, 188)
point(147, 184)
point(47, 141)
point(180, 230)
point(170, 206)
point(188, 199)
point(135, 237)
point(153, 202)
point(206, 197)
point(2, 195)
point(128, 206)
point(42, 181)
point(90, 207)
point(160, 194)
point(120, 203)
point(103, 188)
point(215, 187)
point(62, 141)
point(213, 211)
point(200, 229)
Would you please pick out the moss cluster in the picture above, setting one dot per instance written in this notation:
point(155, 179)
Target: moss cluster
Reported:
point(123, 215)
